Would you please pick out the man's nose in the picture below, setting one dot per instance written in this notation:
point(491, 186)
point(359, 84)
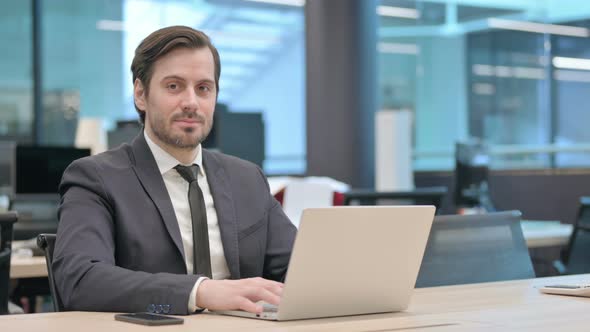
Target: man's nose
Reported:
point(190, 100)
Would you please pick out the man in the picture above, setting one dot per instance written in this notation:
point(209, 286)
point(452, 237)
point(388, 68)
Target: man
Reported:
point(162, 224)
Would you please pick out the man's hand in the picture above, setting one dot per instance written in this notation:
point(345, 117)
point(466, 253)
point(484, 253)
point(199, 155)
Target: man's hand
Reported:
point(238, 294)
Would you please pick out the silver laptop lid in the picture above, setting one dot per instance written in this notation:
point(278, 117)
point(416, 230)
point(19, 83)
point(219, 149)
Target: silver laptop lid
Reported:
point(355, 260)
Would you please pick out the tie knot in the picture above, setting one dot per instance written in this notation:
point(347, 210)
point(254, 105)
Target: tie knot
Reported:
point(189, 173)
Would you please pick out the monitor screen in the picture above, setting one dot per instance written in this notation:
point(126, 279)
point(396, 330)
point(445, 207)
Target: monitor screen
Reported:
point(39, 168)
point(7, 167)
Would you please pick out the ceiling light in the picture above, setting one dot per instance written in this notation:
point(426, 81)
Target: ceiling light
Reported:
point(398, 12)
point(294, 3)
point(553, 29)
point(571, 63)
point(398, 48)
point(110, 25)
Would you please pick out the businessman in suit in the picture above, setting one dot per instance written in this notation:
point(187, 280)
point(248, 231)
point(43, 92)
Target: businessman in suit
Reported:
point(162, 224)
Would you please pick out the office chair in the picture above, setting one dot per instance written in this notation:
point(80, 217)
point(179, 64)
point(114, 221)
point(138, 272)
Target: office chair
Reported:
point(464, 249)
point(471, 176)
point(576, 257)
point(46, 242)
point(418, 196)
point(7, 219)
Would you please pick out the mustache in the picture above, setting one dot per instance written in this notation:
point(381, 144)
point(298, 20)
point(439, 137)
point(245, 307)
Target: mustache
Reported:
point(189, 115)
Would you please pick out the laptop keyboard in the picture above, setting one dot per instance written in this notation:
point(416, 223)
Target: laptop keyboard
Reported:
point(267, 307)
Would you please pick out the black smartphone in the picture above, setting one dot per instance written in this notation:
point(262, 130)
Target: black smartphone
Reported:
point(146, 318)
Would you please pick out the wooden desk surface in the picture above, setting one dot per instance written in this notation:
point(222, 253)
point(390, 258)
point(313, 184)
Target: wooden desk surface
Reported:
point(499, 306)
point(28, 267)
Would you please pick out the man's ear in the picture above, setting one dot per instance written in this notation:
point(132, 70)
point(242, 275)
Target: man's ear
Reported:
point(139, 94)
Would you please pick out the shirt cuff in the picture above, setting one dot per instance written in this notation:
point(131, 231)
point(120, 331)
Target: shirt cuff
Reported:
point(192, 299)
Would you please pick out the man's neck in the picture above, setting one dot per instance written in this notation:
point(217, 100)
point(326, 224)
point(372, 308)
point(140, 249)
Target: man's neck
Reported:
point(185, 156)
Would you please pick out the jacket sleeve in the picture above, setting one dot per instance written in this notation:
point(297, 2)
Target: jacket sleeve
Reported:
point(281, 236)
point(84, 263)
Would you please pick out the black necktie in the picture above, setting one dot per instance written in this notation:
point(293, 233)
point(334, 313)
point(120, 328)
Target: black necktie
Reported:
point(201, 256)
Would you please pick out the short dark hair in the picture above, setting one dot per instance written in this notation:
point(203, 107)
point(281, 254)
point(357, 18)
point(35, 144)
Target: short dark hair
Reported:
point(160, 43)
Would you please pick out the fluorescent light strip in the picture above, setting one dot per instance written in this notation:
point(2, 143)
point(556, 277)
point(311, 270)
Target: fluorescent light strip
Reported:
point(571, 76)
point(484, 89)
point(554, 29)
point(390, 11)
point(110, 25)
point(241, 37)
point(509, 71)
point(294, 3)
point(398, 12)
point(571, 63)
point(398, 48)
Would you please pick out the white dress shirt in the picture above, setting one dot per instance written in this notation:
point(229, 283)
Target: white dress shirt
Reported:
point(178, 190)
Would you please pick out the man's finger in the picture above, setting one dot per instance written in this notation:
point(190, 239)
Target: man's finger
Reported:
point(277, 290)
point(265, 282)
point(261, 294)
point(249, 306)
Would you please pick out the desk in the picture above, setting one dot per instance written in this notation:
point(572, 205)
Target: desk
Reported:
point(28, 267)
point(546, 233)
point(498, 306)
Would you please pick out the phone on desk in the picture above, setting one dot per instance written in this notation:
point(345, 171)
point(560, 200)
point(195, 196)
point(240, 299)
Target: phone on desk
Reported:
point(572, 289)
point(146, 318)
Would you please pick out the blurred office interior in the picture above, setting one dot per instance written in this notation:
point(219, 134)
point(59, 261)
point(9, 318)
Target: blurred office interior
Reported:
point(303, 82)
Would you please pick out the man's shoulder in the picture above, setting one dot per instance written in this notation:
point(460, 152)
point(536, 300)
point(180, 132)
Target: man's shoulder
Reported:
point(116, 158)
point(228, 161)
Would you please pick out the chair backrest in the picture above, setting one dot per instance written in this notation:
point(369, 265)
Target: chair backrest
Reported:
point(418, 196)
point(7, 219)
point(577, 255)
point(46, 242)
point(465, 249)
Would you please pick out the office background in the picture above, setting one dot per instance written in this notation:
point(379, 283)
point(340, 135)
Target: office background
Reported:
point(512, 73)
point(302, 84)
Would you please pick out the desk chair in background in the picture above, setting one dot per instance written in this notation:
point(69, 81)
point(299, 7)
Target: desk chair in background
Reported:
point(464, 249)
point(46, 242)
point(7, 220)
point(418, 196)
point(472, 161)
point(576, 257)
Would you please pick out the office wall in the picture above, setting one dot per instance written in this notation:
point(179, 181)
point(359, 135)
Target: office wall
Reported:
point(283, 105)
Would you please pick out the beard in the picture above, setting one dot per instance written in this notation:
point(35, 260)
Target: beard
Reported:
point(186, 140)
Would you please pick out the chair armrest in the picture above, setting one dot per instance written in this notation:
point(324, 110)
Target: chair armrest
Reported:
point(559, 267)
point(5, 256)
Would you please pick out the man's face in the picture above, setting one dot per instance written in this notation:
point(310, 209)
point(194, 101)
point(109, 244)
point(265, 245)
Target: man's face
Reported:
point(181, 100)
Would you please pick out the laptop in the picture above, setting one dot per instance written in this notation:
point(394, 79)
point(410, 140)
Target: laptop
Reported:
point(352, 260)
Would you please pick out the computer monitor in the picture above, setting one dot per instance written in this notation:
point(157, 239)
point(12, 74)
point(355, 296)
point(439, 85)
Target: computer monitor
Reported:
point(39, 168)
point(125, 132)
point(7, 159)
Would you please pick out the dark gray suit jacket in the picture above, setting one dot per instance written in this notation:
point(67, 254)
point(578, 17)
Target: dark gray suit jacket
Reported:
point(118, 243)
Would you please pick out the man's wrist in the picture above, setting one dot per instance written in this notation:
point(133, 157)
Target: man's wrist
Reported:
point(192, 301)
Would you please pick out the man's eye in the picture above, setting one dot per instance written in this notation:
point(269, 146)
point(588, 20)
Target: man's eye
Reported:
point(204, 88)
point(172, 86)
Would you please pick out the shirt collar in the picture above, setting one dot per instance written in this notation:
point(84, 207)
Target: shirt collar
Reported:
point(166, 161)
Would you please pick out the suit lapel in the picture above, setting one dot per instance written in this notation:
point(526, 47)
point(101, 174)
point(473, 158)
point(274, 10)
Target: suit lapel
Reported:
point(147, 171)
point(226, 215)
